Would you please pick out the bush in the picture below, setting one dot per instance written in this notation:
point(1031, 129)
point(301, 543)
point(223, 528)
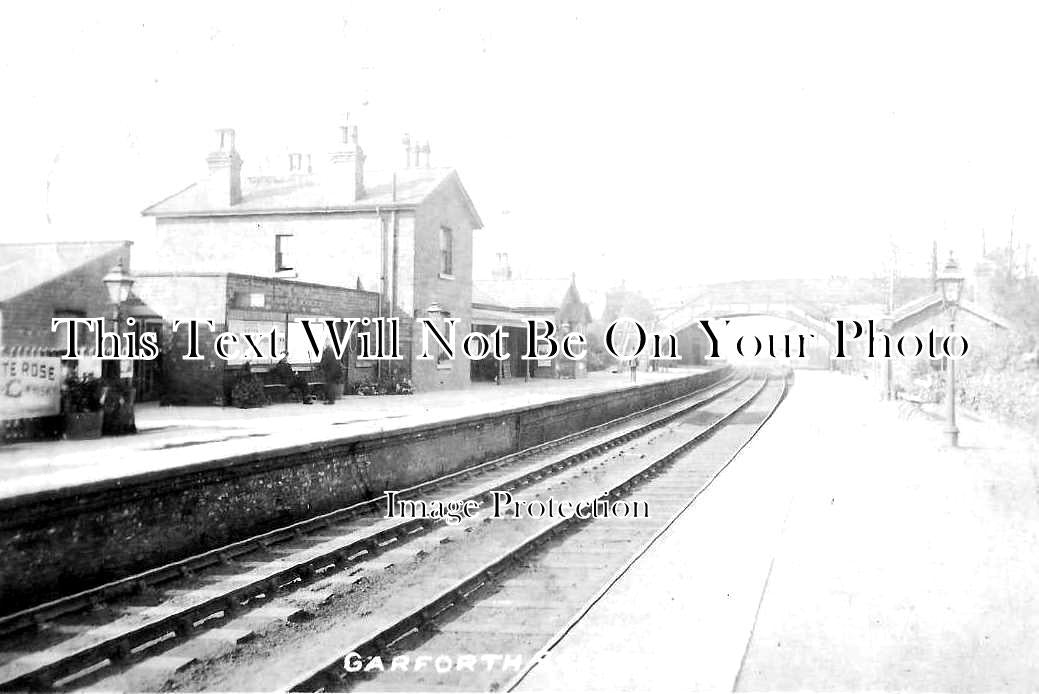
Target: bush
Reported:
point(994, 379)
point(366, 387)
point(248, 390)
point(83, 394)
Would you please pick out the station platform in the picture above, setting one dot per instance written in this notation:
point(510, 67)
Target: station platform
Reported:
point(845, 549)
point(173, 437)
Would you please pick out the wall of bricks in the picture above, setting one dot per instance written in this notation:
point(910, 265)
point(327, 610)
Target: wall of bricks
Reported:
point(443, 208)
point(27, 317)
point(218, 297)
point(303, 297)
point(54, 543)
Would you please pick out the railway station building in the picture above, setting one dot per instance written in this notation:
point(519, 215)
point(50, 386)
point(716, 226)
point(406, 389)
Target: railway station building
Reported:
point(326, 223)
point(43, 281)
point(316, 241)
point(512, 302)
point(239, 304)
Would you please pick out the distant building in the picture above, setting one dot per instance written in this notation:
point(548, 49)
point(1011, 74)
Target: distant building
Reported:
point(511, 302)
point(405, 235)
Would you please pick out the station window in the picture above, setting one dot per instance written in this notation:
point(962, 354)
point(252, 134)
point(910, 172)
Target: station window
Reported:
point(281, 256)
point(447, 251)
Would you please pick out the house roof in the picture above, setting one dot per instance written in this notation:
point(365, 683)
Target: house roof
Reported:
point(919, 310)
point(522, 294)
point(313, 193)
point(482, 298)
point(24, 266)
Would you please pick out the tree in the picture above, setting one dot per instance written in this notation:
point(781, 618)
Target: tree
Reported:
point(621, 302)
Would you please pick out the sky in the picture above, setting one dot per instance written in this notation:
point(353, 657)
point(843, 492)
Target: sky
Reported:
point(663, 145)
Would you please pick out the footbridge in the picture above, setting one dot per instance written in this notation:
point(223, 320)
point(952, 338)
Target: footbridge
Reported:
point(689, 316)
point(812, 304)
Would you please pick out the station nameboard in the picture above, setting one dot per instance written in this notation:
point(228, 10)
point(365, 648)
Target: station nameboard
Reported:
point(29, 387)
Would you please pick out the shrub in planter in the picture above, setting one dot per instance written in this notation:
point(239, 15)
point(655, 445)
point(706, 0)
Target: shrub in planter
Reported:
point(84, 413)
point(248, 390)
point(395, 383)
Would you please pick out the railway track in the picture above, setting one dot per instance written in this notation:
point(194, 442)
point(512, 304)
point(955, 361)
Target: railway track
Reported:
point(519, 603)
point(213, 600)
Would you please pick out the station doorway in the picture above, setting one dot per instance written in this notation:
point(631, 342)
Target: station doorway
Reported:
point(489, 368)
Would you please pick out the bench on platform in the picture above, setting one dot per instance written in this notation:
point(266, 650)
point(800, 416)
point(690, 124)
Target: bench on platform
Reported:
point(913, 404)
point(279, 387)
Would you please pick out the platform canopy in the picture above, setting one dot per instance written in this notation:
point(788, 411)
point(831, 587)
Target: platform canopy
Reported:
point(915, 312)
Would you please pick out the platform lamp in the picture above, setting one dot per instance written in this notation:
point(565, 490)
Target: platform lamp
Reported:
point(118, 282)
point(950, 281)
point(887, 325)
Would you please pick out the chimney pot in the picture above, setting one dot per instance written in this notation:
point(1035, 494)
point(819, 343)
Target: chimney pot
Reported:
point(406, 141)
point(504, 270)
point(225, 140)
point(348, 162)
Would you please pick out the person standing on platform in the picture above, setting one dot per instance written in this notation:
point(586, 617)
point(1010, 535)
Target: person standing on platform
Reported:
point(332, 371)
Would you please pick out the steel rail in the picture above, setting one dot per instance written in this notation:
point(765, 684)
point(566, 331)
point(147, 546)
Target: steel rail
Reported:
point(91, 597)
point(583, 611)
point(396, 627)
point(116, 647)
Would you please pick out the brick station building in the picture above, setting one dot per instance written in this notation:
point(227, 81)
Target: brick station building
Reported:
point(406, 235)
point(42, 281)
point(511, 302)
point(240, 304)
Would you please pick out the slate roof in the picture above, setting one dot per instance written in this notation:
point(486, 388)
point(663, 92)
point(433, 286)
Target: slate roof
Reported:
point(24, 266)
point(521, 293)
point(913, 312)
point(312, 193)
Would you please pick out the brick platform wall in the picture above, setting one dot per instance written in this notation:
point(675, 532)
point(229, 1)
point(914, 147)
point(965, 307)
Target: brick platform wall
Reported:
point(55, 543)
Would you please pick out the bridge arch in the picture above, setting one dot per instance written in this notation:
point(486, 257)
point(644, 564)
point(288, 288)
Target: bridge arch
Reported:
point(789, 312)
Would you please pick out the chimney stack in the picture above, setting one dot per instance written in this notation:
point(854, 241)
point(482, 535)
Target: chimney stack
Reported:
point(503, 271)
point(296, 163)
point(406, 141)
point(225, 171)
point(347, 163)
